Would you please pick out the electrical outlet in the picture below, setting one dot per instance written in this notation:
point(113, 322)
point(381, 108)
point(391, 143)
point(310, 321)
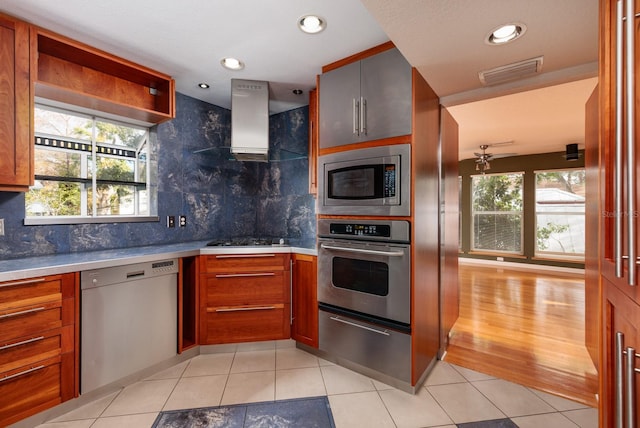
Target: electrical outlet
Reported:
point(171, 221)
point(1, 227)
point(182, 220)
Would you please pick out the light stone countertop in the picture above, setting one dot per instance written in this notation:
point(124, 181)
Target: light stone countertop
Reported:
point(31, 267)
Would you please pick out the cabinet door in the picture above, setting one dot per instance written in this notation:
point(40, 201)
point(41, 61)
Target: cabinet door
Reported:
point(338, 98)
point(16, 162)
point(304, 326)
point(385, 86)
point(621, 317)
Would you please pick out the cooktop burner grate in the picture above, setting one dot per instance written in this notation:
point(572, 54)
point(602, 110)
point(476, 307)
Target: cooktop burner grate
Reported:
point(241, 242)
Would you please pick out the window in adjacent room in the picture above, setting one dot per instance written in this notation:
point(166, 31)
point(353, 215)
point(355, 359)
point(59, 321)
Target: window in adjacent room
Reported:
point(497, 213)
point(560, 214)
point(88, 169)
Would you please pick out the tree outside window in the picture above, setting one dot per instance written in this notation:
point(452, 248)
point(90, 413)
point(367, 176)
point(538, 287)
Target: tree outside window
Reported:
point(497, 212)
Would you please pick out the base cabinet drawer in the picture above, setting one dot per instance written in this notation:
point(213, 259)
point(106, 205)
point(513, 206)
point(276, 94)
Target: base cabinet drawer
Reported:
point(30, 389)
point(29, 321)
point(247, 324)
point(29, 350)
point(246, 288)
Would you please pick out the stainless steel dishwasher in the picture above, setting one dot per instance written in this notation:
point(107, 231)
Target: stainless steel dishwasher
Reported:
point(129, 320)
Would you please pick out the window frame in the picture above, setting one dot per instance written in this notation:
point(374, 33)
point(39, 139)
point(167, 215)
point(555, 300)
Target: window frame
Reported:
point(473, 212)
point(553, 255)
point(93, 181)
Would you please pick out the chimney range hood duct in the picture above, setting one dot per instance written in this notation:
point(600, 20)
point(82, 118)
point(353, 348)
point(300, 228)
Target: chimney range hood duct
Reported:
point(250, 120)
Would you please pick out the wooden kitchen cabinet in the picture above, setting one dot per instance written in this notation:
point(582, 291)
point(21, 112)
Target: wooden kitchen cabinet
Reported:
point(365, 97)
point(244, 298)
point(71, 72)
point(304, 323)
point(38, 352)
point(16, 105)
point(619, 281)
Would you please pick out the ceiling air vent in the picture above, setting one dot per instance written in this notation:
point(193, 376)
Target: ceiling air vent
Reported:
point(509, 72)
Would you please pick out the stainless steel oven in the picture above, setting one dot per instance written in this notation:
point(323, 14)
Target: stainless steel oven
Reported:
point(370, 181)
point(364, 295)
point(365, 266)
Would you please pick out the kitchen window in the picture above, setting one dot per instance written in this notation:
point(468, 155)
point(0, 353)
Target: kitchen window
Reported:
point(497, 202)
point(560, 206)
point(88, 169)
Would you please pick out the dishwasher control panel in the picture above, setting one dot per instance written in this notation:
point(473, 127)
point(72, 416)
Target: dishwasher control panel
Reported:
point(126, 273)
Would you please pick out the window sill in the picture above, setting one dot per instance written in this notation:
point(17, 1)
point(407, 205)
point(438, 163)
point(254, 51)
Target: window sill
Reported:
point(40, 221)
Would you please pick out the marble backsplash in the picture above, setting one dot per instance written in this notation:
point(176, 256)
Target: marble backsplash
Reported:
point(221, 198)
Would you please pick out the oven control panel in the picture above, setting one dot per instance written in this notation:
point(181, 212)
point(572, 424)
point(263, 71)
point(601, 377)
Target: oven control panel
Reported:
point(359, 229)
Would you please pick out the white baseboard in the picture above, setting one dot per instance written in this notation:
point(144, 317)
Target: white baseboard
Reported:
point(520, 266)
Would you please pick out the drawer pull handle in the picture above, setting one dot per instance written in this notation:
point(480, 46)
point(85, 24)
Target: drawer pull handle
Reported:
point(242, 256)
point(24, 342)
point(25, 282)
point(242, 275)
point(28, 311)
point(255, 308)
point(13, 376)
point(385, 332)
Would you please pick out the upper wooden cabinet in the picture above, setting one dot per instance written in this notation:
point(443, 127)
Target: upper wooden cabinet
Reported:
point(16, 106)
point(74, 73)
point(366, 99)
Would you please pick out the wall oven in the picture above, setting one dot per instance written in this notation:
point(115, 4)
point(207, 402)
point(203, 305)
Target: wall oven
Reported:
point(370, 181)
point(364, 295)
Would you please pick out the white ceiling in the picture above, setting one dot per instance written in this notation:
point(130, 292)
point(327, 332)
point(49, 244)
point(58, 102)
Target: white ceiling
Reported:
point(443, 39)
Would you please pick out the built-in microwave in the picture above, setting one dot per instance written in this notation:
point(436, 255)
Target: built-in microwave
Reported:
point(369, 181)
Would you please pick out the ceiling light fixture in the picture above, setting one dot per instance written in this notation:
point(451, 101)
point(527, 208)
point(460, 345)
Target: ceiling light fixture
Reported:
point(232, 63)
point(312, 24)
point(505, 33)
point(297, 91)
point(203, 85)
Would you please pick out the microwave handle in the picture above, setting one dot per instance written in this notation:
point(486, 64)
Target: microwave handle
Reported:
point(398, 253)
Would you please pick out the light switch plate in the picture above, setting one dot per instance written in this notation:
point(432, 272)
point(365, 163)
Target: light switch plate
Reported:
point(1, 227)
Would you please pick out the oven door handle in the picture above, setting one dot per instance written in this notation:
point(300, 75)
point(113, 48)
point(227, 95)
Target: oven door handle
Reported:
point(399, 253)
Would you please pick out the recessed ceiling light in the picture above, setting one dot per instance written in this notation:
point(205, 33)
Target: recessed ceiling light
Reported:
point(297, 91)
point(232, 63)
point(203, 85)
point(505, 33)
point(312, 24)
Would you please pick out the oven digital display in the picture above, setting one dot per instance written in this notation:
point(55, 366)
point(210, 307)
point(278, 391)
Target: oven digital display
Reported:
point(355, 229)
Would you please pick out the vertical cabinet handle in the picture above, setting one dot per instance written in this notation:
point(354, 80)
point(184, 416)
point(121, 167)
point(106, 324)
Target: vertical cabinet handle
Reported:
point(619, 380)
point(630, 146)
point(630, 402)
point(617, 166)
point(363, 116)
point(625, 98)
point(625, 384)
point(356, 117)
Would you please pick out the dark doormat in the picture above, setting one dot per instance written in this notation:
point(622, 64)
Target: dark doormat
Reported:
point(302, 412)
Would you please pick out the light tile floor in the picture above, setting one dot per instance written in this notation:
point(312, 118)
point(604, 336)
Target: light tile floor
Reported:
point(277, 370)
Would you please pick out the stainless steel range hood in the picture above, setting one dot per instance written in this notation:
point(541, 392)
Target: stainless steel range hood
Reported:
point(250, 120)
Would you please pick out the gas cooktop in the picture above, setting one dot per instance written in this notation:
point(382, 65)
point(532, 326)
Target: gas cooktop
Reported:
point(245, 242)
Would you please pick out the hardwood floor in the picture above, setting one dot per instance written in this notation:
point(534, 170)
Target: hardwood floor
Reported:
point(526, 327)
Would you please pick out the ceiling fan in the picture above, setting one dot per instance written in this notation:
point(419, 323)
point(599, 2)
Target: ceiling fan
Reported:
point(482, 161)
